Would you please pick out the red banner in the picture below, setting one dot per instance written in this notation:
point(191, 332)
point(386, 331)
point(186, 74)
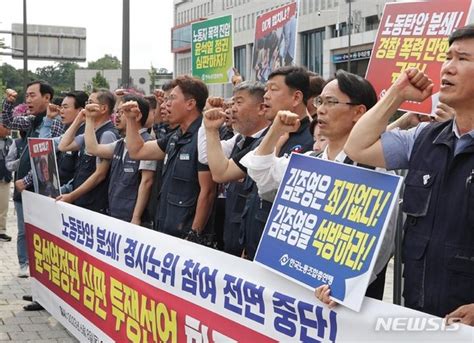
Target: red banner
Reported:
point(415, 35)
point(273, 20)
point(124, 307)
point(40, 147)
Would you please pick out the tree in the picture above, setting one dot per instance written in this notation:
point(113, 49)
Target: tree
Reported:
point(61, 76)
point(13, 78)
point(98, 81)
point(106, 62)
point(152, 74)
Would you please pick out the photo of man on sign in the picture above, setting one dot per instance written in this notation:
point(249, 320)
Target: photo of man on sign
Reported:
point(44, 168)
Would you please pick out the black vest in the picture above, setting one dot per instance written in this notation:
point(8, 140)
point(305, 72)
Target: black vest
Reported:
point(95, 199)
point(5, 174)
point(236, 196)
point(180, 188)
point(438, 246)
point(21, 146)
point(125, 180)
point(68, 162)
point(25, 165)
point(256, 209)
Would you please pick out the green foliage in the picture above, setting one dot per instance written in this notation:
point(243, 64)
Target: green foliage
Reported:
point(152, 74)
point(13, 78)
point(99, 81)
point(106, 62)
point(60, 76)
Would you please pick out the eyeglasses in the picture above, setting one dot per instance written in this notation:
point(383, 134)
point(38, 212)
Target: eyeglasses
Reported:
point(330, 102)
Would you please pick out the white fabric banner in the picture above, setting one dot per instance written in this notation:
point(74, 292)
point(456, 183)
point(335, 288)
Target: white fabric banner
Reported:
point(108, 280)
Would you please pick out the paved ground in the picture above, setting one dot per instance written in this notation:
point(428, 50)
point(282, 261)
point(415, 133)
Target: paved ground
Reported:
point(17, 325)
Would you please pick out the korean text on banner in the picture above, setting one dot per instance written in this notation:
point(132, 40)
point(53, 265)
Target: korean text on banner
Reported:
point(326, 225)
point(212, 50)
point(44, 166)
point(108, 280)
point(275, 40)
point(414, 35)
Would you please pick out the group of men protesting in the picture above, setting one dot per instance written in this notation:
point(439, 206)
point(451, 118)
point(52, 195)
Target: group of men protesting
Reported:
point(167, 161)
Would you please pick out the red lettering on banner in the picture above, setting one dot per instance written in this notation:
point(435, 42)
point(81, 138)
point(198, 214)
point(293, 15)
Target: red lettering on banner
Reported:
point(123, 306)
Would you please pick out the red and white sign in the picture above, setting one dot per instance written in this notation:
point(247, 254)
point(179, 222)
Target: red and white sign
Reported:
point(414, 35)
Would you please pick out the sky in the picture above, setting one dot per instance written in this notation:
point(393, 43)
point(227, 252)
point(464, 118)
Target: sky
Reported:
point(150, 25)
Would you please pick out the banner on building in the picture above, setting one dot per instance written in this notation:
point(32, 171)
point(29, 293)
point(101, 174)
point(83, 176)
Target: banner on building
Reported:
point(44, 166)
point(414, 35)
point(327, 224)
point(275, 40)
point(212, 50)
point(109, 280)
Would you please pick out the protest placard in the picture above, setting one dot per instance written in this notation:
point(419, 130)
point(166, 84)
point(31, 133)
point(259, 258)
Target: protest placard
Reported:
point(44, 166)
point(326, 225)
point(212, 50)
point(275, 40)
point(414, 35)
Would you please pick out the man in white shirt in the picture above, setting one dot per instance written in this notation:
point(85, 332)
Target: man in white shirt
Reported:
point(341, 104)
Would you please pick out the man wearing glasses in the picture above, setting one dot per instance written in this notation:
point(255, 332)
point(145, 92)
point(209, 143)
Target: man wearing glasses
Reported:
point(438, 245)
point(341, 104)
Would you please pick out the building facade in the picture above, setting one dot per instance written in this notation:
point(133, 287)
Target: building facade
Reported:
point(322, 40)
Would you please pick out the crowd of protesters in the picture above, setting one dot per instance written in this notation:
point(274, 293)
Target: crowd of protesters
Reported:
point(206, 169)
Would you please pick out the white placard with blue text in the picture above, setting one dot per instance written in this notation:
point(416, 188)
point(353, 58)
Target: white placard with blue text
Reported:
point(327, 224)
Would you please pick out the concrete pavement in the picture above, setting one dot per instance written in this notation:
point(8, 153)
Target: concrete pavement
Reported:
point(17, 325)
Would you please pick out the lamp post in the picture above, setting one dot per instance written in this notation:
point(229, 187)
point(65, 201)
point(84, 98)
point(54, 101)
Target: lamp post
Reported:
point(349, 32)
point(126, 44)
point(25, 48)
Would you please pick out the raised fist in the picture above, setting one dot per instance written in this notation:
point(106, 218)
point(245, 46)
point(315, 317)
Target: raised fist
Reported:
point(130, 109)
point(92, 110)
point(215, 102)
point(214, 118)
point(159, 95)
point(414, 85)
point(286, 121)
point(11, 95)
point(52, 111)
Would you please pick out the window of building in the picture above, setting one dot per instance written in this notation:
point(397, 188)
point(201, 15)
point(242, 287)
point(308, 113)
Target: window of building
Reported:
point(323, 4)
point(339, 30)
point(310, 6)
point(312, 50)
point(372, 23)
point(240, 61)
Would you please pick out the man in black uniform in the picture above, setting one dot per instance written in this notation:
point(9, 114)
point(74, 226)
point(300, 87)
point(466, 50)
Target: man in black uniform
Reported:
point(130, 180)
point(248, 119)
point(91, 176)
point(287, 89)
point(187, 192)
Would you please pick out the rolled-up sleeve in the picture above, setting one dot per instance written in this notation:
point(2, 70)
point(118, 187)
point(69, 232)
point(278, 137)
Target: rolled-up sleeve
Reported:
point(397, 146)
point(267, 172)
point(227, 145)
